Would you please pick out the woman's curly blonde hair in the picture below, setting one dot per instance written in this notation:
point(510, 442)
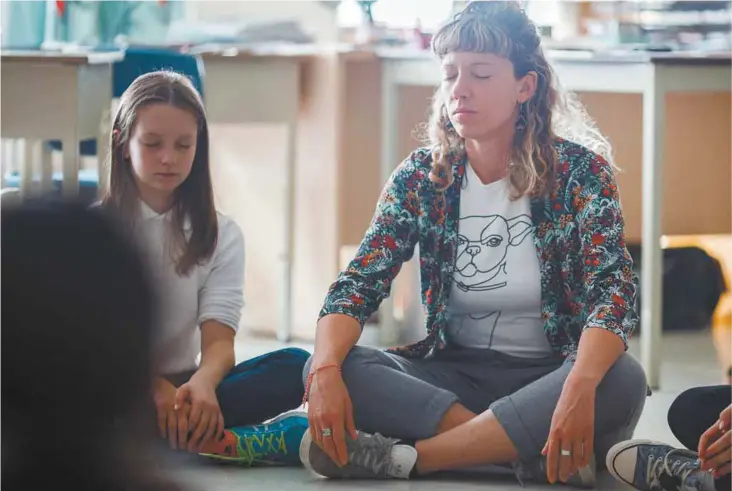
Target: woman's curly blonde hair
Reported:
point(503, 28)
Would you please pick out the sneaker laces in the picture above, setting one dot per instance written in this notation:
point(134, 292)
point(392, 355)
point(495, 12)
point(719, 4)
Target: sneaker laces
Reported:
point(373, 452)
point(666, 466)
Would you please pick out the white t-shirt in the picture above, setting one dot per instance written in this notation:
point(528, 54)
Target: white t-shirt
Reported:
point(211, 291)
point(495, 301)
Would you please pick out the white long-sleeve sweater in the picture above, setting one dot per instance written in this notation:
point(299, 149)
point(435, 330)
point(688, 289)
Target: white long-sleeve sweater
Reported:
point(211, 291)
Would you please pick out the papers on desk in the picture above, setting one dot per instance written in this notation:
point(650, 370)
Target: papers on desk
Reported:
point(188, 32)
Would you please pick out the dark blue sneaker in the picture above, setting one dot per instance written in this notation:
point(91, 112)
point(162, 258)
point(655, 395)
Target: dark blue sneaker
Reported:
point(653, 466)
point(275, 442)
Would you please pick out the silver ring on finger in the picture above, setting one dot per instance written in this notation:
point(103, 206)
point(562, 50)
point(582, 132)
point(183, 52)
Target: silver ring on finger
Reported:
point(565, 453)
point(327, 433)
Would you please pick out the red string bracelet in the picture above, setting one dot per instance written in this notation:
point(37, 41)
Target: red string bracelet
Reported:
point(310, 379)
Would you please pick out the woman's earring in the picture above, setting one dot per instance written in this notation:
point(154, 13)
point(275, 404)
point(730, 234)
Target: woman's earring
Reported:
point(521, 119)
point(446, 120)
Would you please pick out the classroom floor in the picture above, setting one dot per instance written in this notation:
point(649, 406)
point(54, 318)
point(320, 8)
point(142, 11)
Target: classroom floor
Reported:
point(689, 360)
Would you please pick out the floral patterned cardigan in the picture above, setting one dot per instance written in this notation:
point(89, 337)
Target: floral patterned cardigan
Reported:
point(586, 271)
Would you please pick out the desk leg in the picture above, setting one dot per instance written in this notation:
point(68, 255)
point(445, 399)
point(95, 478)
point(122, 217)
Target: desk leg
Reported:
point(70, 184)
point(28, 167)
point(8, 159)
point(654, 129)
point(284, 329)
point(389, 329)
point(46, 168)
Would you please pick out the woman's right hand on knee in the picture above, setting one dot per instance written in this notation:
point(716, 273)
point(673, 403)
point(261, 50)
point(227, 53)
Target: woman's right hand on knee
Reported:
point(330, 413)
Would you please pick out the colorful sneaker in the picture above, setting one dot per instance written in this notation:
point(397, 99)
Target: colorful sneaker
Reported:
point(369, 457)
point(535, 471)
point(274, 442)
point(653, 466)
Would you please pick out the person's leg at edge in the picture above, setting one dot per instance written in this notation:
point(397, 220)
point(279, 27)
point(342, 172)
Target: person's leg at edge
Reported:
point(693, 412)
point(516, 427)
point(403, 398)
point(647, 464)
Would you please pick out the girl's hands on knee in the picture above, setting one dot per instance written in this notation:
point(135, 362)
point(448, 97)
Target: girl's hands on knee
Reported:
point(330, 413)
point(196, 401)
point(169, 421)
point(715, 445)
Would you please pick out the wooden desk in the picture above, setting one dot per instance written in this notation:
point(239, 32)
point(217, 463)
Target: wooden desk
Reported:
point(245, 86)
point(651, 75)
point(52, 95)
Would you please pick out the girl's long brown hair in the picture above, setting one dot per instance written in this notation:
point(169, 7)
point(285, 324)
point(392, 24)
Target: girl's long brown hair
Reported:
point(503, 28)
point(193, 200)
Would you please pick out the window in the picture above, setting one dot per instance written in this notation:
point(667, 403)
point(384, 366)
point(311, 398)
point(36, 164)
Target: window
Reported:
point(399, 13)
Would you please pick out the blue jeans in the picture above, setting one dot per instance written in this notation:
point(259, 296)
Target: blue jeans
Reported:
point(258, 389)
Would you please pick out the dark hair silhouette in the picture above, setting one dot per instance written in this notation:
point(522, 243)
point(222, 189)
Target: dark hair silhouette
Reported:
point(77, 315)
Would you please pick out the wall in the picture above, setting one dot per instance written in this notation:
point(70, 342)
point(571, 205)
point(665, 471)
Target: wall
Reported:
point(697, 173)
point(359, 178)
point(248, 167)
point(316, 192)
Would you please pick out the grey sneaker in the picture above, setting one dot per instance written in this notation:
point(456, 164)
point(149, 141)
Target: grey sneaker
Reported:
point(654, 466)
point(369, 457)
point(535, 471)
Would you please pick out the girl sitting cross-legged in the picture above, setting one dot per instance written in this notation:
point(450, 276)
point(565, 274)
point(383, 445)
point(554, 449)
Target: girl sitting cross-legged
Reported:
point(160, 190)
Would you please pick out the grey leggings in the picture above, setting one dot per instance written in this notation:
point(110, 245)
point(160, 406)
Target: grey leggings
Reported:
point(407, 398)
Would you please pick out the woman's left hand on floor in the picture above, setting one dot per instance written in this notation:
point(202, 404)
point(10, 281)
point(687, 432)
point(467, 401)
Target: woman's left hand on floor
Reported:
point(205, 421)
point(715, 445)
point(572, 431)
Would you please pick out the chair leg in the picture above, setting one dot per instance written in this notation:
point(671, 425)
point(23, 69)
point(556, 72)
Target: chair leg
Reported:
point(8, 160)
point(26, 171)
point(70, 184)
point(46, 165)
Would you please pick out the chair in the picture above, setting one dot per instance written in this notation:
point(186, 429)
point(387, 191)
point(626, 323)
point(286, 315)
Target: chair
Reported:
point(137, 61)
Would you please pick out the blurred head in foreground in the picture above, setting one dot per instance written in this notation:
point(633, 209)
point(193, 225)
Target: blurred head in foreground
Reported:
point(76, 318)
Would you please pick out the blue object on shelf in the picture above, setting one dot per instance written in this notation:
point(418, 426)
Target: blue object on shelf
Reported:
point(24, 24)
point(138, 61)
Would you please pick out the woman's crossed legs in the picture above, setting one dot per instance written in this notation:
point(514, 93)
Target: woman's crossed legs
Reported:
point(470, 407)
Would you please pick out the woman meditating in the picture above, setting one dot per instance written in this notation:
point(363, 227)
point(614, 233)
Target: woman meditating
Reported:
point(525, 278)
